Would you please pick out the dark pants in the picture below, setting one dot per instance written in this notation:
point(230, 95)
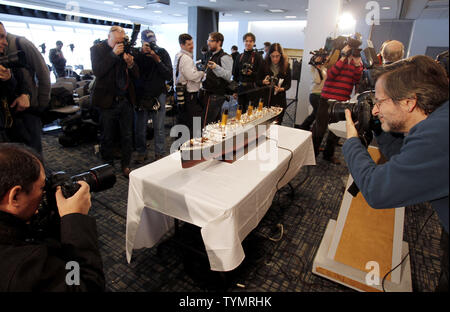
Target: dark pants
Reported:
point(192, 108)
point(118, 116)
point(248, 96)
point(443, 279)
point(319, 128)
point(212, 111)
point(27, 129)
point(314, 99)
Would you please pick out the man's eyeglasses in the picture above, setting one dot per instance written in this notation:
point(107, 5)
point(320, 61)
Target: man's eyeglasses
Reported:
point(212, 40)
point(378, 102)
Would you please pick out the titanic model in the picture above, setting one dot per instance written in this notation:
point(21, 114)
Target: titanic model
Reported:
point(225, 139)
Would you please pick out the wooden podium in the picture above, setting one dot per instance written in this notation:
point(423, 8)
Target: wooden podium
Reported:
point(361, 237)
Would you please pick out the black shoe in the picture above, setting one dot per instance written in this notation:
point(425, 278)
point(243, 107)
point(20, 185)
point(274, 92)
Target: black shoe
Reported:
point(333, 160)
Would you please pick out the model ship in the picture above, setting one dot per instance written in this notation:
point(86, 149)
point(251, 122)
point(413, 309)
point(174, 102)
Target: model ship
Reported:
point(227, 139)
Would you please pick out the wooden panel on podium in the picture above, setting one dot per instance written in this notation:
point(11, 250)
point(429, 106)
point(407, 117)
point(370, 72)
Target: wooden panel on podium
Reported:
point(362, 234)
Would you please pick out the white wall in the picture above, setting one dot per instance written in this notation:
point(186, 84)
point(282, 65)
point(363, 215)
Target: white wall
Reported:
point(290, 34)
point(229, 30)
point(428, 33)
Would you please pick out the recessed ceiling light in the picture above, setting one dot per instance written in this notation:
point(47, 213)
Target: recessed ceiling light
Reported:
point(247, 12)
point(212, 0)
point(177, 15)
point(137, 7)
point(290, 16)
point(182, 2)
point(263, 5)
point(108, 2)
point(306, 10)
point(157, 12)
point(386, 8)
point(276, 10)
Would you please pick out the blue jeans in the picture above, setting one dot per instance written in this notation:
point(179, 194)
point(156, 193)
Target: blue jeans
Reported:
point(119, 115)
point(140, 131)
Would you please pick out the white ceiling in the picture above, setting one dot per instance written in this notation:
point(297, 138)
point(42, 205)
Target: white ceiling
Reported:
point(233, 10)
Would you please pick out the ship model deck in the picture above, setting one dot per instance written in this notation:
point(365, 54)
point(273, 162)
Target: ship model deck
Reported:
point(227, 140)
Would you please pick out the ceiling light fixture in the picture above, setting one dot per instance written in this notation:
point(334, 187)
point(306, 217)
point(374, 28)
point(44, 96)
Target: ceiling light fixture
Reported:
point(290, 16)
point(108, 2)
point(276, 10)
point(386, 8)
point(157, 12)
point(247, 12)
point(137, 7)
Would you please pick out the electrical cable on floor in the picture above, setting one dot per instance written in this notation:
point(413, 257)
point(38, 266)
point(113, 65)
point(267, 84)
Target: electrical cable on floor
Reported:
point(404, 258)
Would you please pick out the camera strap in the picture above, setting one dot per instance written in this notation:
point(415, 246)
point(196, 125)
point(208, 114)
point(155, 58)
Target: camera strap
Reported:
point(253, 57)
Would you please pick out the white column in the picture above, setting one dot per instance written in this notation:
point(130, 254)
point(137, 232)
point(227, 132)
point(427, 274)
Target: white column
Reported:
point(322, 22)
point(242, 30)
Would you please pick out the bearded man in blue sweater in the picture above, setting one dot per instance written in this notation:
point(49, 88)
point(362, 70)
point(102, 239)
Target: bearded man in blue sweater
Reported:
point(411, 97)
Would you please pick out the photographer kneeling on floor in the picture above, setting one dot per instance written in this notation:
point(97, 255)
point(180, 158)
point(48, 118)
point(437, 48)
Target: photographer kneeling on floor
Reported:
point(28, 262)
point(411, 97)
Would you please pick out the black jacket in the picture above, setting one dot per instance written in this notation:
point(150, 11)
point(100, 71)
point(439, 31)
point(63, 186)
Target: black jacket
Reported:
point(105, 65)
point(29, 266)
point(280, 98)
point(252, 58)
point(152, 75)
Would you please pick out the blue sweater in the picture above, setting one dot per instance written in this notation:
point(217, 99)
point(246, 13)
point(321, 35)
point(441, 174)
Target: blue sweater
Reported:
point(419, 173)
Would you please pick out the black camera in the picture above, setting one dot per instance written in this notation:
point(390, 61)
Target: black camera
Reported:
point(273, 81)
point(361, 111)
point(247, 69)
point(319, 57)
point(13, 60)
point(46, 222)
point(155, 47)
point(128, 44)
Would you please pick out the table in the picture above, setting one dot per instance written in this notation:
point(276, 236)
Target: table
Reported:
point(227, 201)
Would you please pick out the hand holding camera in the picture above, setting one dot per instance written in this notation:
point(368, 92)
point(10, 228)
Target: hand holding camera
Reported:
point(211, 65)
point(118, 48)
point(129, 59)
point(78, 203)
point(5, 73)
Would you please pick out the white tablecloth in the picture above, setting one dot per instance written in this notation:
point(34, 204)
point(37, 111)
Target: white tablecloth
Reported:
point(225, 200)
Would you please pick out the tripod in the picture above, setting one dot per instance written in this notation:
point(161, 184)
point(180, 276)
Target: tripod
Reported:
point(293, 101)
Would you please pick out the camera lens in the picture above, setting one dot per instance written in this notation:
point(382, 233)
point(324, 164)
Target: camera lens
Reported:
point(99, 178)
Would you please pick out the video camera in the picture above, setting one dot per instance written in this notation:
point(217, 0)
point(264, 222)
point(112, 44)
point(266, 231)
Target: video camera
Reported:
point(318, 57)
point(128, 44)
point(46, 222)
point(370, 62)
point(13, 60)
point(338, 44)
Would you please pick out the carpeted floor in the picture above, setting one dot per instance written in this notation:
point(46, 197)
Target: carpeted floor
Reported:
point(270, 265)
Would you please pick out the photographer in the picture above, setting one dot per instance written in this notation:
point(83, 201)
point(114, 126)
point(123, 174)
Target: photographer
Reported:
point(319, 73)
point(411, 97)
point(186, 73)
point(29, 107)
point(275, 73)
point(155, 68)
point(27, 264)
point(114, 94)
point(218, 75)
point(342, 77)
point(58, 60)
point(245, 72)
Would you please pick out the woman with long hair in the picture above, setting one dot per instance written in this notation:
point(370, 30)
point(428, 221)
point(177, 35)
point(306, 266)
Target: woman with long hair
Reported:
point(276, 75)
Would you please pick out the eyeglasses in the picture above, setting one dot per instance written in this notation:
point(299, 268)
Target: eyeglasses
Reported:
point(212, 40)
point(378, 102)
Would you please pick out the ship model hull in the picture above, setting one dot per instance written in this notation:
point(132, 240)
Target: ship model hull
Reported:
point(230, 148)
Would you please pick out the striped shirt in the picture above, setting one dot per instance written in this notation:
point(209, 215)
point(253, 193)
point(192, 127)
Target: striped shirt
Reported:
point(341, 78)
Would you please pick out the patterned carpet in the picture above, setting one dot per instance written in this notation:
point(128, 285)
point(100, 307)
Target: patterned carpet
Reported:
point(270, 265)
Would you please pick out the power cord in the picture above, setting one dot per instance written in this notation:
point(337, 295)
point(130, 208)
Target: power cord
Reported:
point(404, 258)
